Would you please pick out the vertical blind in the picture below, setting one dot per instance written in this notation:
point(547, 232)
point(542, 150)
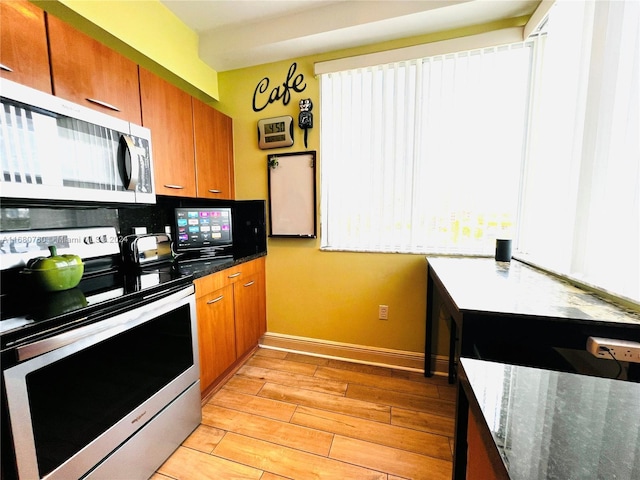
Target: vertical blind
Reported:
point(426, 155)
point(581, 208)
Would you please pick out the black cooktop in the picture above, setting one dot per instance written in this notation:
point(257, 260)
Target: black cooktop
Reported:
point(26, 315)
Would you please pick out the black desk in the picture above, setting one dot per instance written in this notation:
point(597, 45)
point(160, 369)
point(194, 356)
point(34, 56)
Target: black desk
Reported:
point(514, 313)
point(536, 424)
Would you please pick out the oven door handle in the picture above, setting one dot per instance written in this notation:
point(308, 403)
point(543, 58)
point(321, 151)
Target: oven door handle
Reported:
point(105, 327)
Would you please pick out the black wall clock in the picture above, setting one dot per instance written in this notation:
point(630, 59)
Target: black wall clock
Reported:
point(275, 132)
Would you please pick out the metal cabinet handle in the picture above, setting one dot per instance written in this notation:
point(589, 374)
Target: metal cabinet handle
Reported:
point(213, 190)
point(103, 104)
point(217, 299)
point(5, 68)
point(234, 275)
point(249, 284)
point(177, 187)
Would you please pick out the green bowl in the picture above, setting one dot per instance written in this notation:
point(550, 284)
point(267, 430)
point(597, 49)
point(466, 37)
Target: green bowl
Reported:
point(55, 279)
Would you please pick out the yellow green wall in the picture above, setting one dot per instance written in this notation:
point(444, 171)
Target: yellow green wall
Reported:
point(147, 32)
point(319, 294)
point(310, 293)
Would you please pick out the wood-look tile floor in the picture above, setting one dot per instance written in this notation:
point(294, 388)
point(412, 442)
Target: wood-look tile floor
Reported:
point(285, 415)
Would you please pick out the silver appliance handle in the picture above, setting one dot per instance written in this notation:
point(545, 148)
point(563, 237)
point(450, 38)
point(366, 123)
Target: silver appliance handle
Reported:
point(104, 329)
point(132, 160)
point(103, 104)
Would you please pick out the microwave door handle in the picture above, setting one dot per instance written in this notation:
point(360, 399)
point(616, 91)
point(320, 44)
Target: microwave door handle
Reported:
point(130, 162)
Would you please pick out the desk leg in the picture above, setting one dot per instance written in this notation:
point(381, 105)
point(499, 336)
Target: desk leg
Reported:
point(460, 439)
point(452, 350)
point(429, 326)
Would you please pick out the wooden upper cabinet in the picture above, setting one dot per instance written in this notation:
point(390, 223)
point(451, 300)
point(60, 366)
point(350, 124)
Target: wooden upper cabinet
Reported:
point(167, 112)
point(213, 138)
point(89, 73)
point(23, 45)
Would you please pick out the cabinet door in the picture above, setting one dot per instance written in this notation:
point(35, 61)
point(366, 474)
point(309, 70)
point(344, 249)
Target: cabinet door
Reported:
point(213, 136)
point(479, 466)
point(23, 45)
point(250, 312)
point(216, 334)
point(89, 73)
point(166, 110)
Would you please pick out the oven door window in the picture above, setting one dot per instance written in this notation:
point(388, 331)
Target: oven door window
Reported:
point(76, 399)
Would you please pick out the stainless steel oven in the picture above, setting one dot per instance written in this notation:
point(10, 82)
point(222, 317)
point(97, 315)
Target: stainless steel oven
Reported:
point(108, 389)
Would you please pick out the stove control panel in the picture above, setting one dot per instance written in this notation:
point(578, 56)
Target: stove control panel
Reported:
point(17, 248)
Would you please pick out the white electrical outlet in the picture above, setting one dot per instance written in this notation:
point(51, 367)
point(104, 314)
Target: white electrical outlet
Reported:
point(621, 350)
point(383, 312)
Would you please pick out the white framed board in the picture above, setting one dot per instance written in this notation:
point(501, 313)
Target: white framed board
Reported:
point(292, 194)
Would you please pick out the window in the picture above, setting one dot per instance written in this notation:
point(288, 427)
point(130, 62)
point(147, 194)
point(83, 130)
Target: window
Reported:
point(424, 156)
point(537, 141)
point(580, 210)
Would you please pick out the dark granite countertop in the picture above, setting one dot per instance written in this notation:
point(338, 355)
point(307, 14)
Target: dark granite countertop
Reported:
point(203, 267)
point(483, 285)
point(551, 425)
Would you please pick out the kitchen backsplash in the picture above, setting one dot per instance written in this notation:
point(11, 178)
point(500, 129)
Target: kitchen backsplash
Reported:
point(249, 219)
point(37, 218)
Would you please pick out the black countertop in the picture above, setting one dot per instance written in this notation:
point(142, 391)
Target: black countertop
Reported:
point(550, 425)
point(485, 286)
point(25, 315)
point(202, 267)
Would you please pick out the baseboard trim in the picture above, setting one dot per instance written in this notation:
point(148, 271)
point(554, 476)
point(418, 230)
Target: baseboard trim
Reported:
point(225, 376)
point(398, 359)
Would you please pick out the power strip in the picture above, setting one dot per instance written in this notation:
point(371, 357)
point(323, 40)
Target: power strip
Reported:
point(621, 350)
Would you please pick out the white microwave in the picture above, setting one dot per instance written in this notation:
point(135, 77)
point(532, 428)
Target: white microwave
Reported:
point(53, 149)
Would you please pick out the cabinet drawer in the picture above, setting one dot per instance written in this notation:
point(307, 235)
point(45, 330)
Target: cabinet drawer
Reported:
point(228, 276)
point(242, 271)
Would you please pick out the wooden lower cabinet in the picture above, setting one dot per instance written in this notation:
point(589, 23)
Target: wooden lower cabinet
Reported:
point(216, 334)
point(479, 466)
point(231, 310)
point(250, 302)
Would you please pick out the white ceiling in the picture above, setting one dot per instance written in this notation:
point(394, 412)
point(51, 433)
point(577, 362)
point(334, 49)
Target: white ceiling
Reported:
point(241, 33)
